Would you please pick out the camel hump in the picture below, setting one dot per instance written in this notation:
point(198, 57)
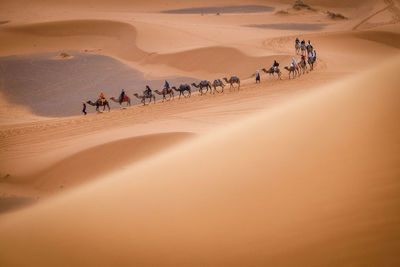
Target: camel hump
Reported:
point(185, 85)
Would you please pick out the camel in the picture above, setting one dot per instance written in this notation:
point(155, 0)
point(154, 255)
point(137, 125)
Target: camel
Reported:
point(217, 83)
point(143, 98)
point(182, 88)
point(99, 103)
point(232, 81)
point(297, 48)
point(203, 84)
point(272, 71)
point(291, 69)
point(165, 92)
point(120, 101)
point(303, 66)
point(311, 61)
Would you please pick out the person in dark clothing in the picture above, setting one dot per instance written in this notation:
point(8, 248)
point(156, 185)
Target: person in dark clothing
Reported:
point(122, 96)
point(276, 65)
point(147, 91)
point(258, 80)
point(84, 107)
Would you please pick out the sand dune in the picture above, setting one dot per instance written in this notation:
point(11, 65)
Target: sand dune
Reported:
point(285, 187)
point(112, 36)
point(291, 172)
point(81, 167)
point(60, 93)
point(102, 159)
point(220, 61)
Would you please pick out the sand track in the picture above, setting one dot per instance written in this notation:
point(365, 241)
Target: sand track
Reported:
point(390, 5)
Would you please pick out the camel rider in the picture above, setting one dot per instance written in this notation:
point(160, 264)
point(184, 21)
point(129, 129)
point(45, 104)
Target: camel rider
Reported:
point(309, 42)
point(166, 86)
point(102, 98)
point(122, 96)
point(303, 43)
point(276, 65)
point(294, 64)
point(297, 41)
point(311, 55)
point(303, 58)
point(147, 92)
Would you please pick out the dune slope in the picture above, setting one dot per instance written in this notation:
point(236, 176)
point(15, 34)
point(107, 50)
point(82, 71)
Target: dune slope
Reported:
point(314, 182)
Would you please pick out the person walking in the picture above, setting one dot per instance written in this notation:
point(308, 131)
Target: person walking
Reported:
point(84, 108)
point(258, 80)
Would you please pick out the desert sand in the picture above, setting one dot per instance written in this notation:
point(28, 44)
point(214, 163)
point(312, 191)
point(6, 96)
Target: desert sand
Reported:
point(290, 172)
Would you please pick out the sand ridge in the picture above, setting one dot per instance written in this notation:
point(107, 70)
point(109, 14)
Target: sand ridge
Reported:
point(319, 204)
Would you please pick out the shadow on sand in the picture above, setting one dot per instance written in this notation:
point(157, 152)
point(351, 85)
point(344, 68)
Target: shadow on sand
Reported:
point(289, 26)
point(221, 9)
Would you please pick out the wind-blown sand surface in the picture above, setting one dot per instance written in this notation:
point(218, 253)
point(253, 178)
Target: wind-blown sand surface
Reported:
point(299, 172)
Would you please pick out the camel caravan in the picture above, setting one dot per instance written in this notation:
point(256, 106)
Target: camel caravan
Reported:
point(295, 69)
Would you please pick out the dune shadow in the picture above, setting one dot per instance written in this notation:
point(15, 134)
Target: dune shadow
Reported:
point(56, 87)
point(14, 202)
point(289, 26)
point(221, 9)
point(388, 38)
